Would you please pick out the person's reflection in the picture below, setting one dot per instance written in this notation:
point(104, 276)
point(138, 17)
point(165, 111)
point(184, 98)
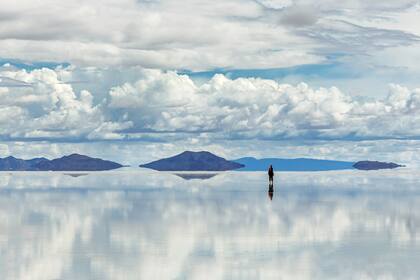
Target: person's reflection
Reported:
point(270, 192)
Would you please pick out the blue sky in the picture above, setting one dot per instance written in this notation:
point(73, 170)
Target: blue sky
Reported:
point(210, 75)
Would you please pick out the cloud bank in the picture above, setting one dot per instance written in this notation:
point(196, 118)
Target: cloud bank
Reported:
point(42, 104)
point(202, 35)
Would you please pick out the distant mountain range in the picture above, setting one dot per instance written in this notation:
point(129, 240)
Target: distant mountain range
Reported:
point(206, 161)
point(296, 164)
point(193, 161)
point(74, 162)
point(16, 164)
point(190, 161)
point(375, 165)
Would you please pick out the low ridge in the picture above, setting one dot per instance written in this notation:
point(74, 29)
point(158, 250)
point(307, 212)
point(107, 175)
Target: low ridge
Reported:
point(193, 161)
point(73, 162)
point(375, 165)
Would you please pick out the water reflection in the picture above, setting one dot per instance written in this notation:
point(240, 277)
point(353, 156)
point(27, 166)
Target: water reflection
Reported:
point(158, 226)
point(270, 191)
point(75, 175)
point(191, 176)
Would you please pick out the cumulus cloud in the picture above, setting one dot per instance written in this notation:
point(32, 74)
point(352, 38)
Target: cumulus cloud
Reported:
point(263, 109)
point(167, 106)
point(48, 108)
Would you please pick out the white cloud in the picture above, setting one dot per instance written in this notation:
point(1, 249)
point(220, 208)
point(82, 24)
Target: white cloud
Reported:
point(159, 105)
point(198, 35)
point(48, 108)
point(160, 34)
point(258, 108)
point(359, 39)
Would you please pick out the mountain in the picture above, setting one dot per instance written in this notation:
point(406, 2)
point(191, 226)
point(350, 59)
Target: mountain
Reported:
point(296, 164)
point(193, 161)
point(74, 162)
point(15, 164)
point(375, 165)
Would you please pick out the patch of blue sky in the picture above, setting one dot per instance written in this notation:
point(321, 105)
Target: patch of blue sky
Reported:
point(30, 65)
point(334, 70)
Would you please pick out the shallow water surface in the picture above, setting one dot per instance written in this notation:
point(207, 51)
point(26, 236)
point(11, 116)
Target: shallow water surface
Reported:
point(140, 224)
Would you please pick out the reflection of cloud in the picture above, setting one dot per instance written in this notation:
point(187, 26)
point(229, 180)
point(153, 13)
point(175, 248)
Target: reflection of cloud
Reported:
point(125, 225)
point(4, 179)
point(41, 240)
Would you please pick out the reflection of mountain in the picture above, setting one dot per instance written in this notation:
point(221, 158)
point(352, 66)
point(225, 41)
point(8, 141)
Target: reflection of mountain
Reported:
point(75, 175)
point(296, 164)
point(193, 161)
point(190, 176)
point(74, 162)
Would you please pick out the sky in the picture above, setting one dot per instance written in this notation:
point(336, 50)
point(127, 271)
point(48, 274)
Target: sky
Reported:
point(136, 80)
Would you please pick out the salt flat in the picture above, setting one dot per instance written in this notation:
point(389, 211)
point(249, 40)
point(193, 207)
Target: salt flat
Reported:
point(140, 224)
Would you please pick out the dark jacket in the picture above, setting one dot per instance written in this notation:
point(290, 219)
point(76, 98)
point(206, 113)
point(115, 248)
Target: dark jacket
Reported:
point(270, 172)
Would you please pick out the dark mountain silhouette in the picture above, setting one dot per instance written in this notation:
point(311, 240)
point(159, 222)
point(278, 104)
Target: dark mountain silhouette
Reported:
point(16, 164)
point(296, 164)
point(74, 162)
point(375, 165)
point(193, 161)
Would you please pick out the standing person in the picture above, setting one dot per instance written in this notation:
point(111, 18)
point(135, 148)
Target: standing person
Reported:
point(270, 176)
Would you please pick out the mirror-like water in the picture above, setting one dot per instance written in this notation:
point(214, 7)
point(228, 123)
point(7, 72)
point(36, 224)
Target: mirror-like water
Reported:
point(151, 225)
